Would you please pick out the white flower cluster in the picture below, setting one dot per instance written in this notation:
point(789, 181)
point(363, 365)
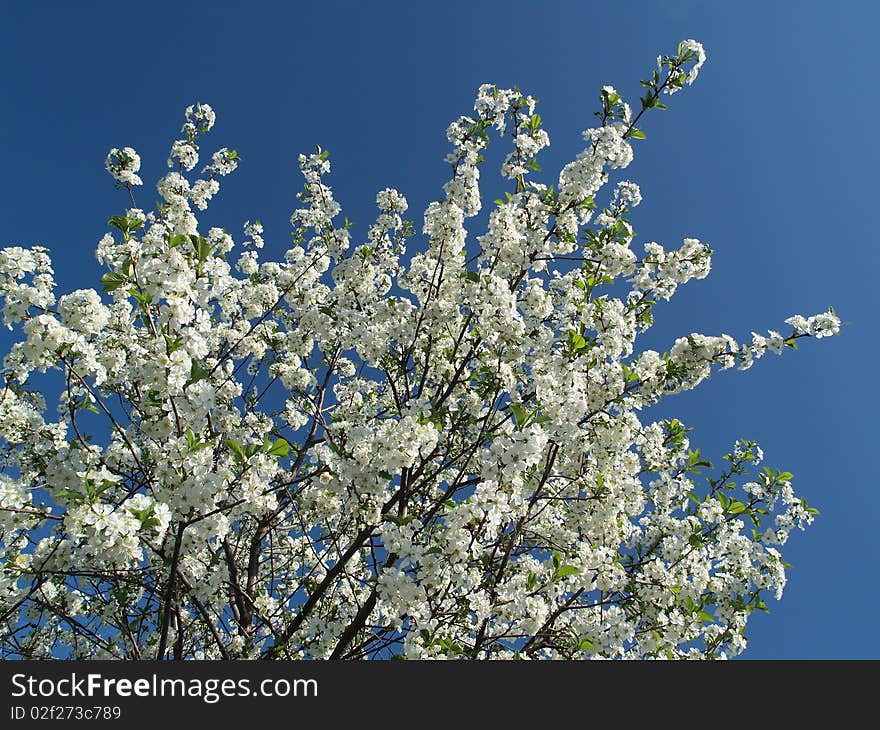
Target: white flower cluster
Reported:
point(661, 272)
point(20, 296)
point(819, 325)
point(688, 50)
point(693, 48)
point(348, 453)
point(123, 164)
point(199, 118)
point(184, 153)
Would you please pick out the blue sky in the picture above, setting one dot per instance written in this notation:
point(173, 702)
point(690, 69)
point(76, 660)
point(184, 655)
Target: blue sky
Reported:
point(771, 157)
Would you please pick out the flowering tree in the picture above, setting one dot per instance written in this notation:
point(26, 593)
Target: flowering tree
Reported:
point(346, 454)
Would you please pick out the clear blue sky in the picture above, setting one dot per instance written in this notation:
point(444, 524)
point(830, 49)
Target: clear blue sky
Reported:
point(771, 157)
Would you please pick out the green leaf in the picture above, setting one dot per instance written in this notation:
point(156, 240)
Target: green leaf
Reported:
point(153, 400)
point(252, 449)
point(171, 344)
point(637, 134)
point(112, 280)
point(519, 414)
point(197, 373)
point(141, 297)
point(236, 449)
point(532, 582)
point(118, 221)
point(563, 571)
point(87, 405)
point(398, 520)
point(105, 485)
point(576, 341)
point(125, 224)
point(736, 507)
point(706, 617)
point(74, 498)
point(279, 448)
point(201, 246)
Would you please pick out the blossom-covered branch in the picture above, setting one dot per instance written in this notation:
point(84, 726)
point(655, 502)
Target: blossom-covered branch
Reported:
point(358, 451)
